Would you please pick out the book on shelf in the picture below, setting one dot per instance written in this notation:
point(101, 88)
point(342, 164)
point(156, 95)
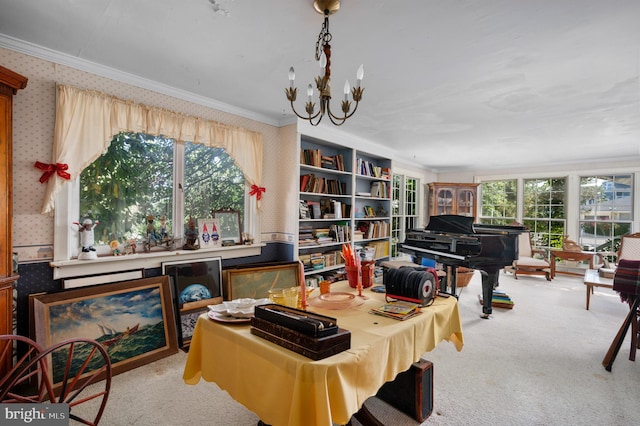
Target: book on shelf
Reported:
point(337, 209)
point(314, 209)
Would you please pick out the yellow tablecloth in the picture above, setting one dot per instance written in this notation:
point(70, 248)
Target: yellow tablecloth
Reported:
point(285, 388)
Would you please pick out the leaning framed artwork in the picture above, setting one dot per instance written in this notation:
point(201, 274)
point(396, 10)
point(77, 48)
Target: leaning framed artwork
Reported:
point(255, 280)
point(195, 284)
point(230, 225)
point(133, 320)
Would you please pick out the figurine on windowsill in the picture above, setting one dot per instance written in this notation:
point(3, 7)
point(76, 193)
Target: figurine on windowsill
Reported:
point(247, 239)
point(87, 239)
point(191, 235)
point(115, 248)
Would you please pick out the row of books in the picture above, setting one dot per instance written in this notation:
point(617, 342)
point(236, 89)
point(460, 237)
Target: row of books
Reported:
point(324, 209)
point(314, 157)
point(375, 249)
point(366, 168)
point(380, 190)
point(320, 185)
point(336, 232)
point(317, 261)
point(373, 229)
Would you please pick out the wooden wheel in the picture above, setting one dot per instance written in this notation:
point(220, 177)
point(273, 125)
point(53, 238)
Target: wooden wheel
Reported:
point(20, 383)
point(63, 373)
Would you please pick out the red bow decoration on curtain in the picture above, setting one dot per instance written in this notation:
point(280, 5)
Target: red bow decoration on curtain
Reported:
point(257, 191)
point(50, 169)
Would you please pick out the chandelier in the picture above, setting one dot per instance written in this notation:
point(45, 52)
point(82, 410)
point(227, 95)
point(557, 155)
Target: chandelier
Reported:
point(323, 56)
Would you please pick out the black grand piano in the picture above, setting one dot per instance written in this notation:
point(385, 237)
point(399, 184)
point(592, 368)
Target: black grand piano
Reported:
point(456, 241)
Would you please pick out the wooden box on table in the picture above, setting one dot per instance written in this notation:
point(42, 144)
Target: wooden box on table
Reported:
point(287, 327)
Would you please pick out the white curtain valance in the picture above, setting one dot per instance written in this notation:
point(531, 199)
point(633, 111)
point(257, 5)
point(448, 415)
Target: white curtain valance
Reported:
point(87, 120)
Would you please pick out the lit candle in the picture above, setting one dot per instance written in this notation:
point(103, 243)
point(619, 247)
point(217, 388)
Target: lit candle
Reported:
point(303, 287)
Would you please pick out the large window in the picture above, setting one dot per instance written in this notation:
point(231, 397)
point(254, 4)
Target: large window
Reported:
point(606, 211)
point(142, 176)
point(544, 211)
point(499, 202)
point(404, 209)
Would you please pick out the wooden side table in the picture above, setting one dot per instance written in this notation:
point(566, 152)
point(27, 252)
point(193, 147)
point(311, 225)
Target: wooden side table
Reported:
point(593, 279)
point(576, 256)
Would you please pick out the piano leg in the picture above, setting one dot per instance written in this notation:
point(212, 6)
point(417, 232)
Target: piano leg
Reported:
point(489, 282)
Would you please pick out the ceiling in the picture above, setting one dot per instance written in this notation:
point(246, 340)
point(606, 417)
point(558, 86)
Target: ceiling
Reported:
point(449, 85)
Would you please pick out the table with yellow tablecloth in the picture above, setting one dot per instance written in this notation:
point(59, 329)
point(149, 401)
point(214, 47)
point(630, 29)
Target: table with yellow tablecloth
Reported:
point(285, 388)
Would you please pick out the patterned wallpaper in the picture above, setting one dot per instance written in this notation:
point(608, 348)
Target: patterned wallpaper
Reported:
point(33, 118)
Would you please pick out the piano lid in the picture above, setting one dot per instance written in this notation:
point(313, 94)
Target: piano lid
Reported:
point(456, 224)
point(451, 223)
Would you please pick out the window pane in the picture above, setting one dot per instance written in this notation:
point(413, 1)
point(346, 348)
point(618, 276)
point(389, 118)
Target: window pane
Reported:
point(212, 181)
point(498, 201)
point(606, 210)
point(544, 210)
point(133, 179)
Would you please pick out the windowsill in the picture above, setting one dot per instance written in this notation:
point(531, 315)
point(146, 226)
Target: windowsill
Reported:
point(109, 264)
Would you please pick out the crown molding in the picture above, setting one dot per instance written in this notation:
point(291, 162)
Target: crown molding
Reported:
point(47, 54)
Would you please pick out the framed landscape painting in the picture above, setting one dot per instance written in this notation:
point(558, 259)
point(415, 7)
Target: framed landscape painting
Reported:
point(255, 280)
point(133, 320)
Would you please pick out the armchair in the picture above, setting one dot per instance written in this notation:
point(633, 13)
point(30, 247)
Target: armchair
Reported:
point(530, 261)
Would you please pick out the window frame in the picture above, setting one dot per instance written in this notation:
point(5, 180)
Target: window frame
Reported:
point(66, 238)
point(400, 220)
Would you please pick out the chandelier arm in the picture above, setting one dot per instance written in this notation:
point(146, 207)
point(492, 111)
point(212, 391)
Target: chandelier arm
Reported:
point(332, 116)
point(308, 117)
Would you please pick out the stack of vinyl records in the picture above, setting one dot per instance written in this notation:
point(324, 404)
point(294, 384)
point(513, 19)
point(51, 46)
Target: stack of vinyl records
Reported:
point(500, 299)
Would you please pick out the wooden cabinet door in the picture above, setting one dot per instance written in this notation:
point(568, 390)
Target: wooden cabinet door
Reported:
point(452, 198)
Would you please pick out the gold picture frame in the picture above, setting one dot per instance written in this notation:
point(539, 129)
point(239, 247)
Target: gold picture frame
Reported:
point(133, 320)
point(255, 280)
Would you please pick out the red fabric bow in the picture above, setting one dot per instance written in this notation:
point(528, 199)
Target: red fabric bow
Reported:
point(50, 169)
point(257, 191)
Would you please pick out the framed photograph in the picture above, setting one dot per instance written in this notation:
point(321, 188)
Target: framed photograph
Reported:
point(255, 280)
point(209, 233)
point(195, 284)
point(133, 320)
point(230, 224)
point(188, 319)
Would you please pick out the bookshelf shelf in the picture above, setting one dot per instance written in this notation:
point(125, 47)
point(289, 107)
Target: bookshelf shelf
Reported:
point(339, 186)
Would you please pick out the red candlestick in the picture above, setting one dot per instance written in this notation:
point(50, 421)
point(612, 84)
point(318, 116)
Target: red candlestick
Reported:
point(303, 288)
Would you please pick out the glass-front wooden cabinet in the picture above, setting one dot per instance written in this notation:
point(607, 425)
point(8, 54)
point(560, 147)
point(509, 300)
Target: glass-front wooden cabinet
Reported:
point(452, 198)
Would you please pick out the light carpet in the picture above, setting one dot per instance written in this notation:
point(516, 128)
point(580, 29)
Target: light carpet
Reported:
point(537, 364)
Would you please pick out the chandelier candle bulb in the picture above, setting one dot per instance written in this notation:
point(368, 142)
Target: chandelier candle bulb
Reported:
point(292, 77)
point(347, 89)
point(360, 75)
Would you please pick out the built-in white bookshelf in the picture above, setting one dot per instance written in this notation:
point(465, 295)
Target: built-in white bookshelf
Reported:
point(344, 198)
